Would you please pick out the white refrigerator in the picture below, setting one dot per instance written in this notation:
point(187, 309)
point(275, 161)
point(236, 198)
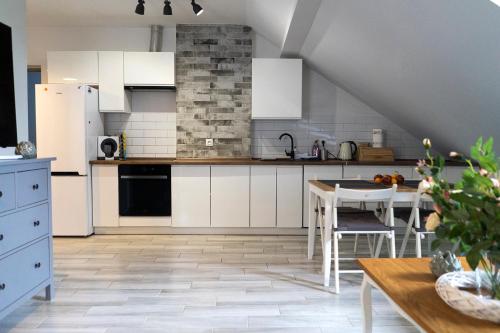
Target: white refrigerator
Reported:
point(68, 123)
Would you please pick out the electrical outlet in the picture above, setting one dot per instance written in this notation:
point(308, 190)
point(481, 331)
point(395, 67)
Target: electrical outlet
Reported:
point(209, 142)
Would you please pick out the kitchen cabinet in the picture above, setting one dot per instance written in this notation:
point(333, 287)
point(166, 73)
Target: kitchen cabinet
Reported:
point(191, 196)
point(276, 88)
point(230, 201)
point(262, 196)
point(369, 171)
point(315, 172)
point(105, 196)
point(112, 95)
point(454, 173)
point(289, 196)
point(149, 68)
point(73, 67)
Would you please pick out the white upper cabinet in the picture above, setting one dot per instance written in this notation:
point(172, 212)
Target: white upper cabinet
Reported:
point(72, 67)
point(276, 88)
point(112, 97)
point(149, 68)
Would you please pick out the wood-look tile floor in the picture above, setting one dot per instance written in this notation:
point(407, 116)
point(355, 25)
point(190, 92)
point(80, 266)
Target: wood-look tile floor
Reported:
point(194, 284)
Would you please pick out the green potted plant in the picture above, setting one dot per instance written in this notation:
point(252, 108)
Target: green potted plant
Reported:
point(467, 213)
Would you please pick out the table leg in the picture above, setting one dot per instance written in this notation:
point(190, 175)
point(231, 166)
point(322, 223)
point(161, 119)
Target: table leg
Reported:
point(327, 253)
point(366, 303)
point(311, 225)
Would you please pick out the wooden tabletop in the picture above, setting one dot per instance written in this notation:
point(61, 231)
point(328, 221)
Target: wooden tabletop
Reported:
point(328, 186)
point(410, 284)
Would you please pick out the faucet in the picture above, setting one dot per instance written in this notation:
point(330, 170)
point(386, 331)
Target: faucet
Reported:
point(291, 153)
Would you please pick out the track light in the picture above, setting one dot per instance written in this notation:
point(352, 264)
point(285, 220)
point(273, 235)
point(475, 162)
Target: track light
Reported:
point(167, 10)
point(197, 9)
point(140, 7)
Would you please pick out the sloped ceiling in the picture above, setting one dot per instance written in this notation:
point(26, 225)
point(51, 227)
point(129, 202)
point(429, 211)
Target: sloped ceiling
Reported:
point(433, 67)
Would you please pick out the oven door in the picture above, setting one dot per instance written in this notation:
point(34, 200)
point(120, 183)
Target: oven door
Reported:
point(144, 193)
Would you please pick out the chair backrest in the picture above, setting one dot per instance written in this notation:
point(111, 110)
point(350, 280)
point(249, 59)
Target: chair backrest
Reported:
point(343, 194)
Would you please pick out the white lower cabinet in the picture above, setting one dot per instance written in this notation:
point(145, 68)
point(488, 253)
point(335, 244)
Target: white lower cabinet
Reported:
point(368, 172)
point(230, 201)
point(105, 196)
point(289, 196)
point(454, 173)
point(191, 196)
point(262, 196)
point(315, 172)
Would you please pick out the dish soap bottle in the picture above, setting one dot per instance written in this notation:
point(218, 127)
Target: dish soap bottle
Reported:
point(316, 149)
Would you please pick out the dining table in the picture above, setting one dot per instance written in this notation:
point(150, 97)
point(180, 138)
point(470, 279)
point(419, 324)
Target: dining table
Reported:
point(324, 191)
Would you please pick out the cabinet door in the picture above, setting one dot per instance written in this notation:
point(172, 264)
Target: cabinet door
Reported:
point(72, 67)
point(314, 172)
point(111, 86)
point(368, 172)
point(289, 197)
point(149, 68)
point(262, 196)
point(105, 195)
point(276, 88)
point(230, 196)
point(191, 196)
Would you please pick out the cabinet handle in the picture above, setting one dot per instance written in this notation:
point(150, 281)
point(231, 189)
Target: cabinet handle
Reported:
point(1, 237)
point(35, 187)
point(1, 194)
point(2, 286)
point(36, 223)
point(38, 265)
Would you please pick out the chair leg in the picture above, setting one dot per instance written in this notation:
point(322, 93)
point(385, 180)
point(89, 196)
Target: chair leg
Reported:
point(370, 247)
point(393, 244)
point(336, 262)
point(405, 241)
point(356, 244)
point(327, 254)
point(313, 216)
point(379, 246)
point(418, 244)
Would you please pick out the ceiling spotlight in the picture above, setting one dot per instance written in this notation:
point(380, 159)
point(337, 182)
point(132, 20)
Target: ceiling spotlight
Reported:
point(167, 10)
point(140, 7)
point(197, 9)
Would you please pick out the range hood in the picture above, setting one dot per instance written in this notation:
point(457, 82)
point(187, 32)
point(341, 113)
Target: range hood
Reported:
point(155, 45)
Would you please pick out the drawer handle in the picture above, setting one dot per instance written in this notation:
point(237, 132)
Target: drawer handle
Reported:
point(36, 223)
point(35, 187)
point(1, 237)
point(2, 286)
point(38, 265)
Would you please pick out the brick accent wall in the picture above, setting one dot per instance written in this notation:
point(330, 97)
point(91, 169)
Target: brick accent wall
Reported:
point(213, 79)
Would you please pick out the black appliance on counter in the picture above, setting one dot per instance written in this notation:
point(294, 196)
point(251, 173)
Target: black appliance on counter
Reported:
point(145, 190)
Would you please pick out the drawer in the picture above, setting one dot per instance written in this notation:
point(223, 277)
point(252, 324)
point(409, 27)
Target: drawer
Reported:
point(7, 192)
point(23, 271)
point(22, 227)
point(32, 186)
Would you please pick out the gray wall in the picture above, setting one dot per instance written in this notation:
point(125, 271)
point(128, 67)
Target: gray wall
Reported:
point(430, 66)
point(213, 79)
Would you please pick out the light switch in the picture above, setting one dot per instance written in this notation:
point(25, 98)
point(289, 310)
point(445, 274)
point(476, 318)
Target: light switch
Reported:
point(209, 142)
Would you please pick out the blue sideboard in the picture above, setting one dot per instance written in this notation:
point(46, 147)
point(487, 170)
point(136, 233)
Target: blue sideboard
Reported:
point(26, 265)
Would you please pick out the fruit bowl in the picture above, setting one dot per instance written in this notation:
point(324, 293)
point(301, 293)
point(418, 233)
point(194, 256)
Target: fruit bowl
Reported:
point(389, 180)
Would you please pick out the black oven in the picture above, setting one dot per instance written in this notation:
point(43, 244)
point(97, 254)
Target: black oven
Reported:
point(145, 190)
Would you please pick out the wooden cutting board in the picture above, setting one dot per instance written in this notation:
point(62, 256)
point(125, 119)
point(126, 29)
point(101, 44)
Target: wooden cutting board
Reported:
point(370, 154)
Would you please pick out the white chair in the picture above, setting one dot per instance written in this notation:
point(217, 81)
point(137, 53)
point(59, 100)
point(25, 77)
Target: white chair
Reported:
point(412, 217)
point(356, 223)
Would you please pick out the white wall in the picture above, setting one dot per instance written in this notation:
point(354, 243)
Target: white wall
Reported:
point(13, 13)
point(329, 113)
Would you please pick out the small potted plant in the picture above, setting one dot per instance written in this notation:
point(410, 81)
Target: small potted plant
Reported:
point(467, 213)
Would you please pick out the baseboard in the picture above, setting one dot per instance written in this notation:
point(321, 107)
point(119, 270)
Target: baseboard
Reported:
point(198, 231)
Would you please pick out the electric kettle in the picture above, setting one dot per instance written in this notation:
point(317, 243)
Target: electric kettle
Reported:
point(347, 151)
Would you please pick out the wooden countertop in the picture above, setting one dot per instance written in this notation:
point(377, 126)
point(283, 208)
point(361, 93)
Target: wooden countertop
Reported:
point(251, 161)
point(410, 284)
